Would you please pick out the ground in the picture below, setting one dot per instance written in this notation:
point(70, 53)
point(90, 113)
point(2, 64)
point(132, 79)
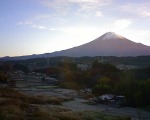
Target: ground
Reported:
point(34, 86)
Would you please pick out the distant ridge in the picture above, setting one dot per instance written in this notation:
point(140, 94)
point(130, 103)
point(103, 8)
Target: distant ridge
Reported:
point(109, 44)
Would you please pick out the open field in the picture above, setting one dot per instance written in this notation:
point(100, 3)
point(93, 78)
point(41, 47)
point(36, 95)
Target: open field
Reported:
point(18, 106)
point(70, 101)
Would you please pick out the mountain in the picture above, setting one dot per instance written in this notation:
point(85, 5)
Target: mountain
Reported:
point(109, 44)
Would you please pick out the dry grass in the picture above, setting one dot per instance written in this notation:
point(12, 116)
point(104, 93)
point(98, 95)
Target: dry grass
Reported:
point(69, 116)
point(87, 115)
point(61, 114)
point(10, 93)
point(45, 100)
point(11, 112)
point(17, 106)
point(64, 114)
point(67, 98)
point(20, 97)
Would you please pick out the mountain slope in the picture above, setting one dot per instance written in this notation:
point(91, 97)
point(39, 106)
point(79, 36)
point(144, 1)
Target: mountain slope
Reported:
point(109, 44)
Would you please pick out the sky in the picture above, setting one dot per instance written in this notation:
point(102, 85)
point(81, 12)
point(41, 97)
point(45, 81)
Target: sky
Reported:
point(44, 26)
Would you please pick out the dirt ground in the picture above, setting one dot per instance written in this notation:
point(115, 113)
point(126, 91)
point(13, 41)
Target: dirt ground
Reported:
point(36, 87)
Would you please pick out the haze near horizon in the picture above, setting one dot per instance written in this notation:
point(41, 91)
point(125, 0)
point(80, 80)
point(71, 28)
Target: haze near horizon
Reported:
point(35, 26)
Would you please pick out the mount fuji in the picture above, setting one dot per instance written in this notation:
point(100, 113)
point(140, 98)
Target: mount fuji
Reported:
point(109, 44)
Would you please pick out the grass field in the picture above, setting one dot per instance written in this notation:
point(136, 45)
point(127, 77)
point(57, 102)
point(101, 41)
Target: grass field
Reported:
point(18, 106)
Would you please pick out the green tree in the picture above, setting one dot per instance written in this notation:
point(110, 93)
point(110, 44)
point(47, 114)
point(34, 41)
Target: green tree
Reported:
point(21, 67)
point(3, 78)
point(103, 86)
point(68, 75)
point(138, 98)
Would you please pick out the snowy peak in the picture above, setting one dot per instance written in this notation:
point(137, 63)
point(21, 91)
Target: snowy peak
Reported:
point(111, 35)
point(109, 44)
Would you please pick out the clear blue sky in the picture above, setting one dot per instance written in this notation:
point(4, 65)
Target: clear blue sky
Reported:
point(42, 26)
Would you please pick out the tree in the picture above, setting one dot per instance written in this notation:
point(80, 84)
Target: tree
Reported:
point(21, 67)
point(103, 86)
point(84, 79)
point(3, 78)
point(105, 69)
point(68, 75)
point(51, 71)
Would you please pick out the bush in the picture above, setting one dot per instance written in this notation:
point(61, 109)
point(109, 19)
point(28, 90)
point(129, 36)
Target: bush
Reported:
point(10, 93)
point(86, 115)
point(43, 115)
point(68, 116)
point(11, 112)
point(45, 100)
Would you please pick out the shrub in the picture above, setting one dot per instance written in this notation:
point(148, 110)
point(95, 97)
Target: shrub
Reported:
point(11, 112)
point(43, 115)
point(10, 93)
point(45, 100)
point(68, 116)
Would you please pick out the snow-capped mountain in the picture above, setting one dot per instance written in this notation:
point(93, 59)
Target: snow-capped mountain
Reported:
point(109, 44)
point(110, 36)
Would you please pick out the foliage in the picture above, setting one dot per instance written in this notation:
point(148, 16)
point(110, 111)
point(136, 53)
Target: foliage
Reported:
point(15, 106)
point(87, 115)
point(101, 77)
point(103, 86)
point(105, 70)
point(3, 78)
point(135, 91)
point(64, 114)
point(21, 67)
point(26, 99)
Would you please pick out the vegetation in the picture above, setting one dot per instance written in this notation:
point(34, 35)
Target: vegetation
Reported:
point(4, 78)
point(26, 99)
point(102, 78)
point(17, 106)
point(21, 67)
point(54, 61)
point(105, 78)
point(64, 114)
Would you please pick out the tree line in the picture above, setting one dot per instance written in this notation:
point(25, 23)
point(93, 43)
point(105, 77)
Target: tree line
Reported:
point(104, 78)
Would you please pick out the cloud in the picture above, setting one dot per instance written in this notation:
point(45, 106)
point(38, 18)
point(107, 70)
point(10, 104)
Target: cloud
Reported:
point(88, 5)
point(39, 27)
point(79, 30)
point(144, 13)
point(32, 25)
point(140, 36)
point(36, 19)
point(84, 9)
point(98, 14)
point(65, 6)
point(140, 9)
point(25, 23)
point(79, 34)
point(121, 24)
point(41, 17)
